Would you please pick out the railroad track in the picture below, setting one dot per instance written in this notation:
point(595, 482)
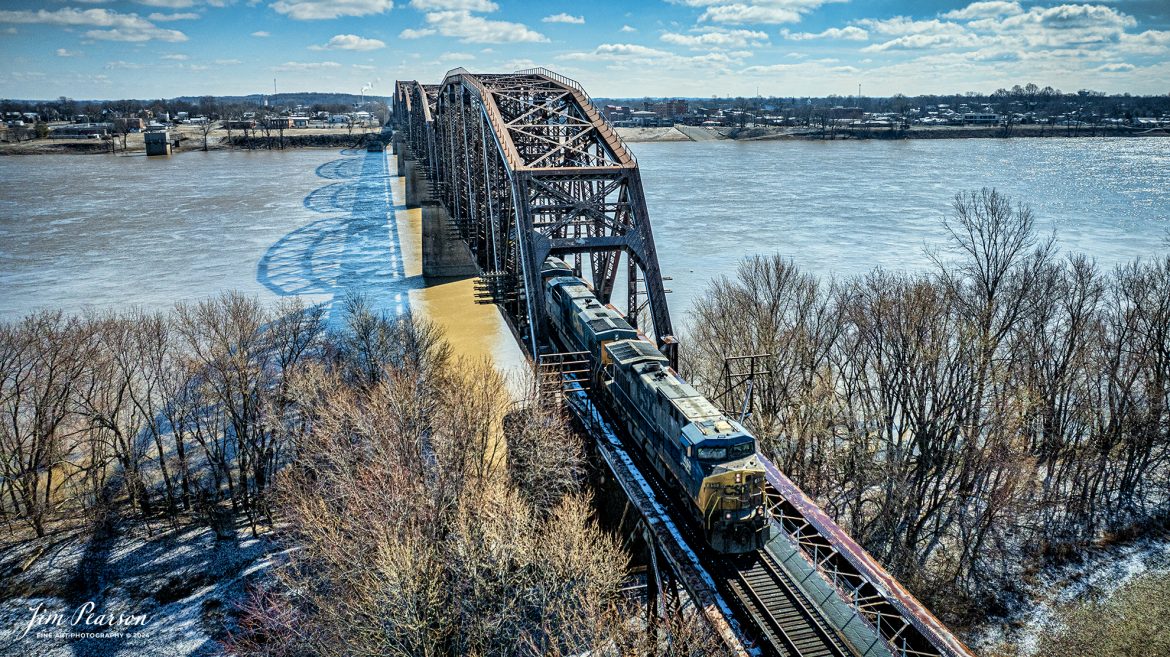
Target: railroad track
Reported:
point(786, 622)
point(783, 615)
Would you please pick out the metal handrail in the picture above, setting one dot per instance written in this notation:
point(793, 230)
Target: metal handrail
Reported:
point(573, 84)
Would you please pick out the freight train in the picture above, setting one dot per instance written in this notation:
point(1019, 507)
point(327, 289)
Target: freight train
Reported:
point(695, 448)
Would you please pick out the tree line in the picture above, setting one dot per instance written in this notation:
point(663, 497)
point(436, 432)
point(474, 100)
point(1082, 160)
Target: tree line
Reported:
point(968, 423)
point(169, 414)
point(428, 511)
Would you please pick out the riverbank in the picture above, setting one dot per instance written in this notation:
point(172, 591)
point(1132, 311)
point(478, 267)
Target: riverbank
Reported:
point(768, 133)
point(191, 139)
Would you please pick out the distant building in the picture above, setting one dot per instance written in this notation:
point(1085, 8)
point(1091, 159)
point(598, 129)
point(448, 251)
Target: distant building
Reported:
point(980, 118)
point(128, 124)
point(278, 122)
point(81, 131)
point(299, 121)
point(840, 112)
point(647, 119)
point(669, 109)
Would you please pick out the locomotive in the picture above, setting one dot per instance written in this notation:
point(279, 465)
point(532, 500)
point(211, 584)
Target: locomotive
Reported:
point(693, 446)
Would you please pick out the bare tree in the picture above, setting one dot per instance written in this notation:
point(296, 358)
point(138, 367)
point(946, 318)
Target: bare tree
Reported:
point(205, 129)
point(44, 359)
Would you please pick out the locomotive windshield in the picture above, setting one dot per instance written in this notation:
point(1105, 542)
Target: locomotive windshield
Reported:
point(730, 453)
point(712, 453)
point(741, 450)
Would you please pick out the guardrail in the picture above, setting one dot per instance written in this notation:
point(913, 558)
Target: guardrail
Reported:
point(605, 128)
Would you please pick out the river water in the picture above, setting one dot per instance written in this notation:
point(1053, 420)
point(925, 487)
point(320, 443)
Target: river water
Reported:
point(106, 231)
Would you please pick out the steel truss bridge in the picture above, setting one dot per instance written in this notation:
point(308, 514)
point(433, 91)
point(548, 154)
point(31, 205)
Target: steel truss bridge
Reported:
point(526, 167)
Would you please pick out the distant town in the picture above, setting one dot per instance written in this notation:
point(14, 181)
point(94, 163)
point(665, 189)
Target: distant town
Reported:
point(1009, 111)
point(1020, 105)
point(65, 118)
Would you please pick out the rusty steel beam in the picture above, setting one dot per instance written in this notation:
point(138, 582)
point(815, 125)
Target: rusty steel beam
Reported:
point(527, 168)
point(907, 626)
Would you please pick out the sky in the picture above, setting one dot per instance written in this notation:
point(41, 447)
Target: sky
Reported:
point(105, 49)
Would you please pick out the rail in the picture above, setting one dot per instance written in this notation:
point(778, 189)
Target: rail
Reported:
point(683, 560)
point(781, 611)
point(897, 616)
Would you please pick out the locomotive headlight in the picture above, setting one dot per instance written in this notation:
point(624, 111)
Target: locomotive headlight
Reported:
point(738, 477)
point(727, 516)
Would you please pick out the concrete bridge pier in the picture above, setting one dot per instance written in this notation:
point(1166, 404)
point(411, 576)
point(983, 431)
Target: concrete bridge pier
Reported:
point(444, 255)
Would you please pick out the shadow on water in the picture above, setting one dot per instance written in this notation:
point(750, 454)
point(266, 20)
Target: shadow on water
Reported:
point(354, 249)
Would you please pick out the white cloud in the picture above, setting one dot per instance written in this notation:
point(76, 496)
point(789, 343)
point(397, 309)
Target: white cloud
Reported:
point(627, 28)
point(564, 18)
point(162, 18)
point(137, 35)
point(992, 9)
point(350, 42)
point(61, 52)
point(305, 10)
point(476, 29)
point(167, 4)
point(627, 55)
point(122, 27)
point(1116, 67)
point(409, 33)
point(1150, 42)
point(850, 33)
point(924, 41)
point(178, 57)
point(902, 25)
point(739, 14)
point(454, 5)
point(1060, 27)
point(456, 57)
point(306, 66)
point(717, 38)
point(261, 33)
point(363, 67)
point(122, 65)
point(226, 62)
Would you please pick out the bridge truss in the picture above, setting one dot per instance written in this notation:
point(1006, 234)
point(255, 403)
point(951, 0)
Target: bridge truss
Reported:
point(527, 168)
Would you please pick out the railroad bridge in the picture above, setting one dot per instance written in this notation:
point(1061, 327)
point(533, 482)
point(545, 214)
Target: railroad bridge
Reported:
point(511, 168)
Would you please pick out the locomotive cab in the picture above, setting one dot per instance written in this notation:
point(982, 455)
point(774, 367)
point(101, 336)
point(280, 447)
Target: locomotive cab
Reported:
point(731, 498)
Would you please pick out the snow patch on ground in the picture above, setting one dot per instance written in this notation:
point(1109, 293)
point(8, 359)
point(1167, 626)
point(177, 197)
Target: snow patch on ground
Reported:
point(187, 584)
point(1097, 576)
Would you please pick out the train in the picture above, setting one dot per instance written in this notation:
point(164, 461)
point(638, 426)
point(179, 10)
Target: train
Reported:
point(695, 448)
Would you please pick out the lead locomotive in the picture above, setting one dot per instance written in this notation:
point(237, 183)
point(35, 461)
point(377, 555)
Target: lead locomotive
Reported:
point(693, 446)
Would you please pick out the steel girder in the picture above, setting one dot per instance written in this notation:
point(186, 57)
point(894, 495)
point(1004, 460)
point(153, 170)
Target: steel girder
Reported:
point(527, 168)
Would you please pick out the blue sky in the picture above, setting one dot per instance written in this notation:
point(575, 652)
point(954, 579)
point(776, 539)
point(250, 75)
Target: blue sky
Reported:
point(164, 48)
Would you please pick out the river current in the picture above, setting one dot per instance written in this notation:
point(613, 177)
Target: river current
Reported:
point(107, 231)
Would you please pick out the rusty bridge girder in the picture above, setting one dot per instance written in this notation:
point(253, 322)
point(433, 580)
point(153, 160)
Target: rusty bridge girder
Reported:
point(527, 167)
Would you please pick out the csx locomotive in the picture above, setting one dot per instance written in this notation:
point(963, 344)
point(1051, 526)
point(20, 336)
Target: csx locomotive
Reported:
point(692, 445)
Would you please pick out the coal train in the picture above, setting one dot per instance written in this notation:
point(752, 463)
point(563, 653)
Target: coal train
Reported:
point(694, 447)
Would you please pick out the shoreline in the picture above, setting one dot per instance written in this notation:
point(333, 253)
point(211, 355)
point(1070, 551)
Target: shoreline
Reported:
point(680, 132)
point(191, 142)
point(677, 133)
